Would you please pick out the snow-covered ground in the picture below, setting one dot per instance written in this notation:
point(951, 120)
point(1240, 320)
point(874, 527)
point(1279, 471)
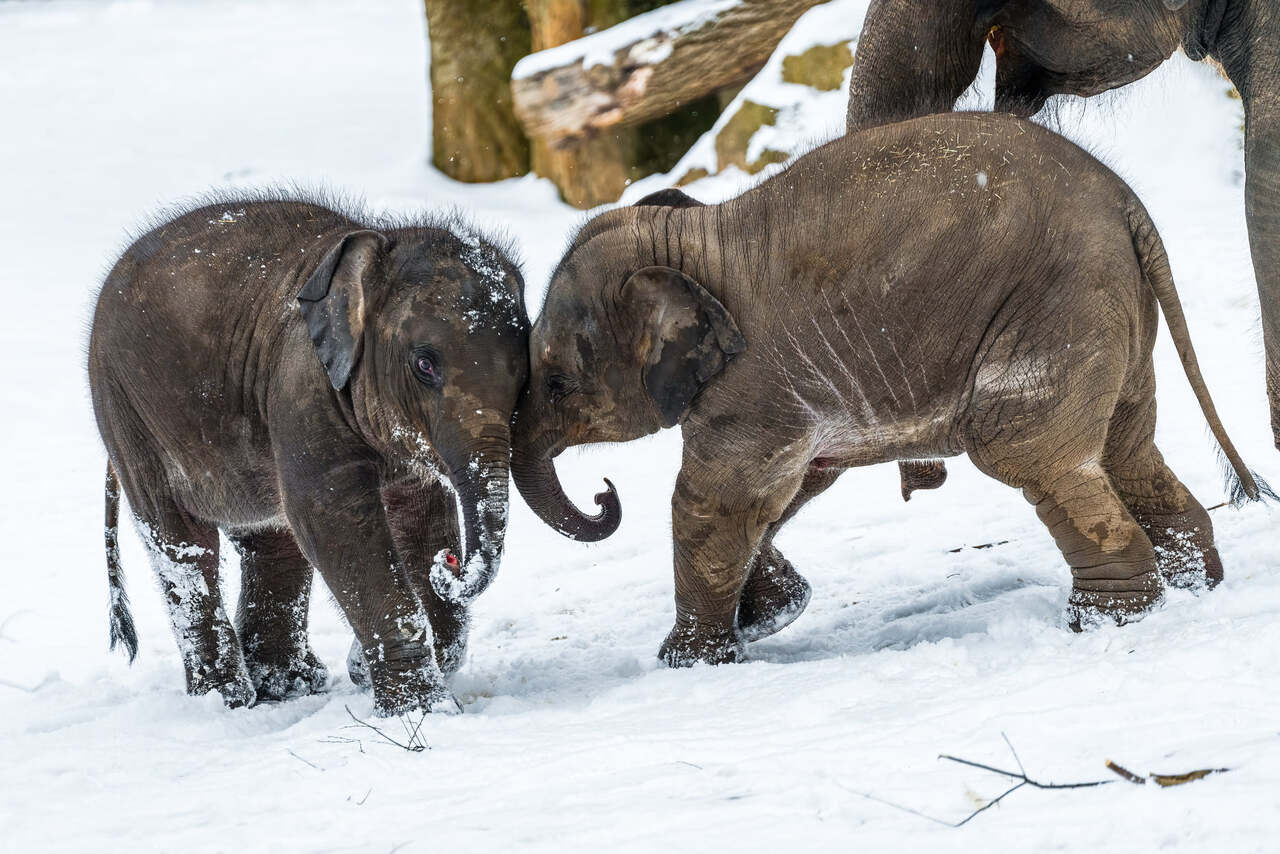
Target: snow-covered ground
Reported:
point(573, 737)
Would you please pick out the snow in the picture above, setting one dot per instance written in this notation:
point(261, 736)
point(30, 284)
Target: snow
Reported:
point(573, 737)
point(651, 34)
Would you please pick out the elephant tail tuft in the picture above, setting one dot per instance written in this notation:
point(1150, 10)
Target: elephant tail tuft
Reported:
point(122, 629)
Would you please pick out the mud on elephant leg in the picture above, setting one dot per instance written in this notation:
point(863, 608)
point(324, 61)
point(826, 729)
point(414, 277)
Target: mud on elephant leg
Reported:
point(275, 593)
point(1112, 562)
point(184, 554)
point(1177, 525)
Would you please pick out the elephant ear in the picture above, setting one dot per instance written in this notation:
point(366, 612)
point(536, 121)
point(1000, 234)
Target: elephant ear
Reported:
point(688, 337)
point(333, 301)
point(669, 198)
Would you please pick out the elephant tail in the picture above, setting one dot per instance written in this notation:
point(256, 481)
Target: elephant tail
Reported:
point(122, 629)
point(1242, 484)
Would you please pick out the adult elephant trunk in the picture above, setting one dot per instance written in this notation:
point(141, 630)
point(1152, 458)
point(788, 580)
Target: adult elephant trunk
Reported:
point(534, 471)
point(480, 480)
point(914, 58)
point(1262, 207)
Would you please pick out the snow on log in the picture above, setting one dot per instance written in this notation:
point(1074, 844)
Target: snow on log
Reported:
point(647, 66)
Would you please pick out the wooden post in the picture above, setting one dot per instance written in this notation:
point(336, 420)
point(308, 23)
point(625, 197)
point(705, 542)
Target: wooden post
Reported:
point(474, 46)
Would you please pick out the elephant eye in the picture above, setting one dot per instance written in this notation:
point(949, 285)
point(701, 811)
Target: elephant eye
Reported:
point(426, 368)
point(559, 387)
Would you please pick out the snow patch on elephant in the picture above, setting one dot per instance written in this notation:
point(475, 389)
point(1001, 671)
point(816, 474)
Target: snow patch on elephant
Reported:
point(463, 583)
point(191, 612)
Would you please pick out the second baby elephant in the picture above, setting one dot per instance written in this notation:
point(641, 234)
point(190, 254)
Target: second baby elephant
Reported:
point(914, 291)
point(326, 390)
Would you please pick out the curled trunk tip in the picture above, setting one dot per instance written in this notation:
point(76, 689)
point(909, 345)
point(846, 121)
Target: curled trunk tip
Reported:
point(536, 479)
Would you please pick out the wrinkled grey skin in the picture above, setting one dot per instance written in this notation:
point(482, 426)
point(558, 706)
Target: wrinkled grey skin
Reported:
point(918, 56)
point(918, 290)
point(328, 393)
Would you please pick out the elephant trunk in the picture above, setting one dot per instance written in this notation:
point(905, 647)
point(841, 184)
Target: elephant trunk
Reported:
point(1262, 207)
point(534, 472)
point(915, 57)
point(480, 480)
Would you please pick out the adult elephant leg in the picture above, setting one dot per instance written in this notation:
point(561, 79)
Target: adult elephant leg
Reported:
point(275, 595)
point(776, 594)
point(1262, 206)
point(716, 530)
point(1178, 527)
point(184, 554)
point(424, 519)
point(915, 57)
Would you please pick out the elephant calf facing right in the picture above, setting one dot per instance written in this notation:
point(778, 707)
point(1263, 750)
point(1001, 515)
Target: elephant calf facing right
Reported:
point(960, 283)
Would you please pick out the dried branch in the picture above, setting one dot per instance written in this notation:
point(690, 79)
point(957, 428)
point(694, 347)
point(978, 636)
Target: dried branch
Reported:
point(1165, 780)
point(1126, 773)
point(416, 744)
point(1024, 780)
point(300, 759)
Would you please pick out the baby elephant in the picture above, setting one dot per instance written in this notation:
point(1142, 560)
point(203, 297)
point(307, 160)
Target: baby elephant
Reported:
point(960, 283)
point(326, 391)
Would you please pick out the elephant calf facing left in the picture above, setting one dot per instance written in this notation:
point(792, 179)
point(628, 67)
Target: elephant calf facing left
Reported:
point(953, 284)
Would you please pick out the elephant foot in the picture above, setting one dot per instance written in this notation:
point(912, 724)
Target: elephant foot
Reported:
point(687, 645)
point(1091, 609)
point(300, 675)
point(921, 474)
point(232, 683)
point(775, 594)
point(410, 683)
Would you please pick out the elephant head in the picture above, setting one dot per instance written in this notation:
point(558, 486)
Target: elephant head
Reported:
point(619, 351)
point(428, 333)
point(918, 56)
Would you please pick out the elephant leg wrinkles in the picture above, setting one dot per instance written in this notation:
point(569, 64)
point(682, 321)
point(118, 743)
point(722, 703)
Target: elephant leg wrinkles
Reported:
point(271, 620)
point(1177, 525)
point(716, 534)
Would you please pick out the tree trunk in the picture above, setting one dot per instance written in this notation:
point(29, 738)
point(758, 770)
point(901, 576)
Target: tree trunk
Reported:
point(594, 173)
point(474, 46)
point(650, 74)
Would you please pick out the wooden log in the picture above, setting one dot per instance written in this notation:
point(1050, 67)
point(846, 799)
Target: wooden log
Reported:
point(648, 66)
point(474, 45)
